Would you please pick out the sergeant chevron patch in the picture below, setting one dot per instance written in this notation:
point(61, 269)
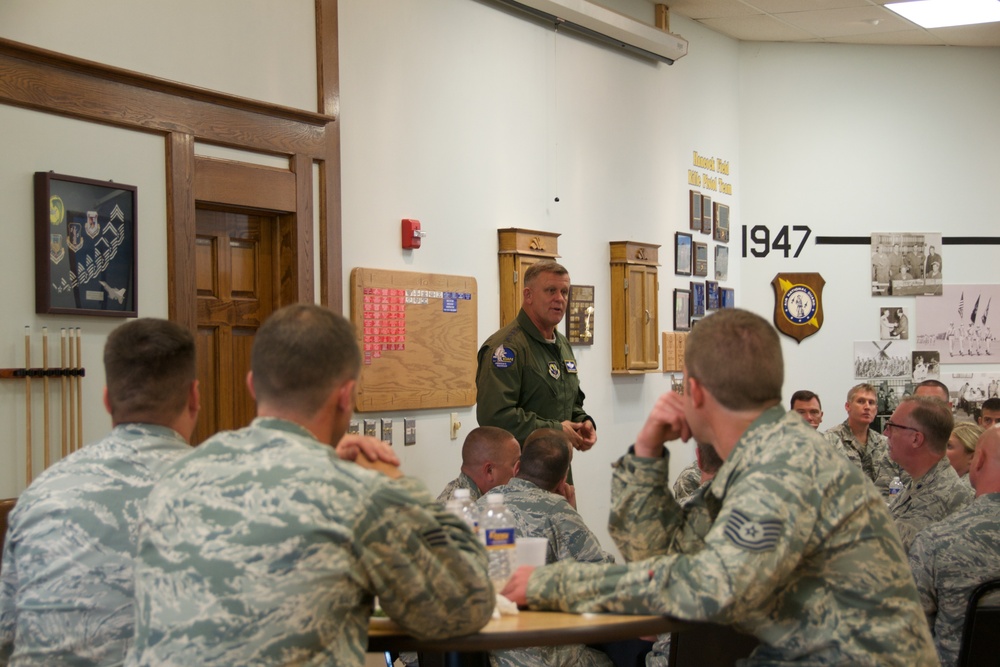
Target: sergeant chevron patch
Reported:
point(753, 535)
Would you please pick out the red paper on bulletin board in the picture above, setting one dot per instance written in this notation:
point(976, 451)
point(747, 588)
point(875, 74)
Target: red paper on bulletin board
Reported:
point(418, 339)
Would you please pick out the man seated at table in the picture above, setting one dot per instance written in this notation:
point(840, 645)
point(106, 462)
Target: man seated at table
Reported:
point(489, 455)
point(67, 592)
point(542, 505)
point(934, 389)
point(950, 558)
point(698, 474)
point(262, 546)
point(801, 552)
point(918, 434)
point(807, 404)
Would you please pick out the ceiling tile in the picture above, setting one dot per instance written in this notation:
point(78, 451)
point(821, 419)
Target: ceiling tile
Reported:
point(757, 28)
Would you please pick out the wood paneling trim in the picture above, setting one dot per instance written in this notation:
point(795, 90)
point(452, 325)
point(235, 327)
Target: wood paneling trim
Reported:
point(48, 81)
point(181, 287)
point(331, 220)
point(304, 242)
point(244, 185)
point(328, 57)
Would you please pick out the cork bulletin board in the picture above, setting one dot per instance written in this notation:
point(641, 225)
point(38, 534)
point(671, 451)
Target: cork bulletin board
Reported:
point(418, 339)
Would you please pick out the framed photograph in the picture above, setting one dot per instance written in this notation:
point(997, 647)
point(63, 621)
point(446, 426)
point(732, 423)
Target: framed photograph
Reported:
point(721, 262)
point(682, 310)
point(713, 298)
point(682, 254)
point(906, 264)
point(580, 315)
point(706, 214)
point(695, 210)
point(728, 297)
point(700, 259)
point(697, 299)
point(720, 232)
point(85, 246)
point(893, 324)
point(957, 324)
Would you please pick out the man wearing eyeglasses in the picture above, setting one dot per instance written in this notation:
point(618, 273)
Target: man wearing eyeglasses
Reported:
point(918, 434)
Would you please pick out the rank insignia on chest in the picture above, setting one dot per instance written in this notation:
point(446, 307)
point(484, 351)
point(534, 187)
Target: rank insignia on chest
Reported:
point(570, 365)
point(503, 356)
point(554, 369)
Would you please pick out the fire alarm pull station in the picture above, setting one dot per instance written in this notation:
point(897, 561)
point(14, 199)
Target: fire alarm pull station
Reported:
point(412, 234)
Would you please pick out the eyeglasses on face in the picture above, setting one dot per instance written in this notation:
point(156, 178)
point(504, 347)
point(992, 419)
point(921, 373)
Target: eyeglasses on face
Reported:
point(908, 428)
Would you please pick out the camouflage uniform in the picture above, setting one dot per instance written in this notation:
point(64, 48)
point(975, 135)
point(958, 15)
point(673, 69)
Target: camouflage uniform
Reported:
point(929, 499)
point(687, 482)
point(949, 559)
point(263, 547)
point(526, 383)
point(463, 481)
point(540, 513)
point(802, 554)
point(873, 459)
point(67, 590)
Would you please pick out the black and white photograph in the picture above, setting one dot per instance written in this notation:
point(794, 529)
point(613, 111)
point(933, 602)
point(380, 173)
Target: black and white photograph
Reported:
point(682, 254)
point(906, 264)
point(893, 324)
point(721, 262)
point(926, 365)
point(957, 324)
point(682, 310)
point(882, 359)
point(969, 391)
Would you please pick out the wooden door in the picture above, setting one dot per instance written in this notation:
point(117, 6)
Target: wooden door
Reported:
point(234, 263)
point(642, 323)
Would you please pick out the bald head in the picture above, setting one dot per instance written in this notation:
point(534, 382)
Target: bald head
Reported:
point(489, 455)
point(984, 473)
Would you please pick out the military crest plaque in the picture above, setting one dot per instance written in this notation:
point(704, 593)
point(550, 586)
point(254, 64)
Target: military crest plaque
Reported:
point(798, 304)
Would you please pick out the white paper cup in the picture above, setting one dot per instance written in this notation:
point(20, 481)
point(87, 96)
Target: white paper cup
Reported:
point(531, 550)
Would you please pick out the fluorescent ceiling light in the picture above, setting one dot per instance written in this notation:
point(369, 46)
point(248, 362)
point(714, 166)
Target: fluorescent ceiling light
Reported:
point(944, 13)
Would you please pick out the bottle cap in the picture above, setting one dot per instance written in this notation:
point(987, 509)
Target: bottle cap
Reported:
point(494, 498)
point(463, 493)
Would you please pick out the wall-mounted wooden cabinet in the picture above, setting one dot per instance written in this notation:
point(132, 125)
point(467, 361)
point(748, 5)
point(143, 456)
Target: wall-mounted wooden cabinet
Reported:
point(519, 249)
point(634, 312)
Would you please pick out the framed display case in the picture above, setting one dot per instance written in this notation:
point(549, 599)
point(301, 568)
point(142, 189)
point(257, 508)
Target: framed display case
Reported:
point(700, 259)
point(697, 299)
point(713, 298)
point(720, 230)
point(721, 262)
point(706, 214)
point(683, 254)
point(85, 246)
point(695, 219)
point(682, 310)
point(580, 315)
point(634, 307)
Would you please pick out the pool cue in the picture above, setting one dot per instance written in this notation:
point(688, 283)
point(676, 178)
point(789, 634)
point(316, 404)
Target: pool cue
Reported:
point(45, 396)
point(27, 403)
point(72, 396)
point(62, 395)
point(79, 392)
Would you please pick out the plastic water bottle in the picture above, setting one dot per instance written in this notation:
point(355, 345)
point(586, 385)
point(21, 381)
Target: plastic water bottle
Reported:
point(895, 488)
point(496, 531)
point(462, 506)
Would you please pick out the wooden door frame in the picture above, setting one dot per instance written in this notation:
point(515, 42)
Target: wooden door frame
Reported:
point(51, 82)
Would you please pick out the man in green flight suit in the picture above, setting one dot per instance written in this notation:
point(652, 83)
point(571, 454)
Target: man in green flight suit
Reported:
point(527, 377)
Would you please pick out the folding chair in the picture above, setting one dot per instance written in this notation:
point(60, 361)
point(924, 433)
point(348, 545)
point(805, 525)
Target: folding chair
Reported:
point(981, 632)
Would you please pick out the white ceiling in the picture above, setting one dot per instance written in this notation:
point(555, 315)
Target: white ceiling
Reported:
point(836, 21)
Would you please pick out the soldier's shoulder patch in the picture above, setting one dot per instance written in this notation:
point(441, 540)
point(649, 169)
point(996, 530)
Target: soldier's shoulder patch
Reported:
point(570, 365)
point(752, 534)
point(503, 356)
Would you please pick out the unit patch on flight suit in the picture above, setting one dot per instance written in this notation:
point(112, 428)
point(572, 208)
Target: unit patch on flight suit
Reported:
point(554, 370)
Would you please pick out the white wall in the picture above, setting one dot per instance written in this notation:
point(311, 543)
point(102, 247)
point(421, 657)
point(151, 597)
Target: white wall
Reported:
point(260, 49)
point(852, 140)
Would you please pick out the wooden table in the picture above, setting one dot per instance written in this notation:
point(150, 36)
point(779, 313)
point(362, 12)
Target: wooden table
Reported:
point(528, 628)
